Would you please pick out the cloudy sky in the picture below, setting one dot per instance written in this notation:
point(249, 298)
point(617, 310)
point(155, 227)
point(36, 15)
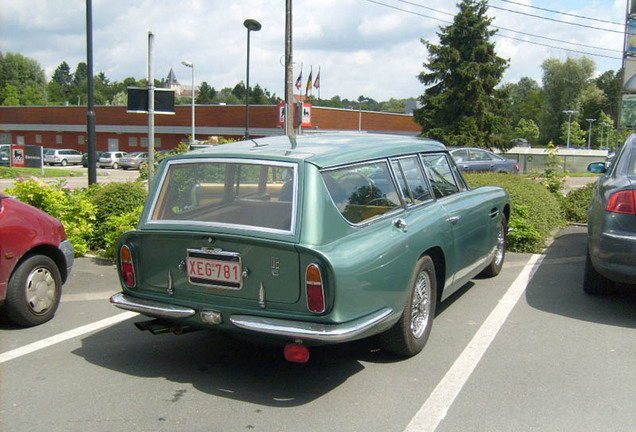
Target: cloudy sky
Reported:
point(363, 47)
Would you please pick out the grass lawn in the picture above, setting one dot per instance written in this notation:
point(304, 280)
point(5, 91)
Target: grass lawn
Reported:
point(11, 173)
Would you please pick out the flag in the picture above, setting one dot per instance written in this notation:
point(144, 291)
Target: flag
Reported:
point(299, 81)
point(309, 81)
point(317, 82)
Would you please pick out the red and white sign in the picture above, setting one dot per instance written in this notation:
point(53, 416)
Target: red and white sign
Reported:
point(306, 122)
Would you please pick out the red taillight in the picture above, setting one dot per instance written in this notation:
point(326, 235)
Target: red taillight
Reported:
point(315, 291)
point(127, 268)
point(622, 202)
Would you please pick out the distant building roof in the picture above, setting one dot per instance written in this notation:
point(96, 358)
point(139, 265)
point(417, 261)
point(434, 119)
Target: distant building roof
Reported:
point(172, 79)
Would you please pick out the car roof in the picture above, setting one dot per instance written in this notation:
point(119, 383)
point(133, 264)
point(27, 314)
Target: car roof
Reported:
point(322, 150)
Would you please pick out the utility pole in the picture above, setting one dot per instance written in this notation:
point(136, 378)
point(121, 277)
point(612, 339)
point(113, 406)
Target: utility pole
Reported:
point(90, 113)
point(289, 70)
point(151, 111)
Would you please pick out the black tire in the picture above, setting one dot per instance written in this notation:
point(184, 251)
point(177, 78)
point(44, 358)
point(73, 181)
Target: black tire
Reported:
point(495, 266)
point(64, 162)
point(115, 165)
point(33, 291)
point(409, 335)
point(593, 282)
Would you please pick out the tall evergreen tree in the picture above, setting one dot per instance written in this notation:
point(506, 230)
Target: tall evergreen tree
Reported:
point(461, 104)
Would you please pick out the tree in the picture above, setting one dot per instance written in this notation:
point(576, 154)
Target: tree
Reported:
point(206, 94)
point(527, 129)
point(462, 105)
point(610, 83)
point(239, 91)
point(526, 99)
point(577, 135)
point(22, 73)
point(563, 85)
point(10, 96)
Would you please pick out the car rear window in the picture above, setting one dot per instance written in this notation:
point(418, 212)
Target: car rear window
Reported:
point(249, 194)
point(362, 192)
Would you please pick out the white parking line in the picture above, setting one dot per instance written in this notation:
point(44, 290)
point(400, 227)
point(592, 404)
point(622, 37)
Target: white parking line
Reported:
point(440, 400)
point(44, 343)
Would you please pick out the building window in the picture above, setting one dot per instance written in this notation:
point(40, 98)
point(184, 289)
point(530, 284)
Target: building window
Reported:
point(144, 142)
point(58, 139)
point(80, 140)
point(132, 141)
point(38, 139)
point(20, 140)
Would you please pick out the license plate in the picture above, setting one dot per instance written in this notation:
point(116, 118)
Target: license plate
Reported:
point(214, 269)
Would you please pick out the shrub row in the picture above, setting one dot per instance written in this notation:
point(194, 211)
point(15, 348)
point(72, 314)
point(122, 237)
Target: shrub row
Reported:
point(537, 211)
point(94, 217)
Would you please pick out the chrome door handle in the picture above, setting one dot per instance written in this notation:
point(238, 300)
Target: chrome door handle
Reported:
point(400, 224)
point(494, 213)
point(454, 219)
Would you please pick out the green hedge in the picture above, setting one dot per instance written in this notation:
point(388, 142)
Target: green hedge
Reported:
point(535, 212)
point(95, 217)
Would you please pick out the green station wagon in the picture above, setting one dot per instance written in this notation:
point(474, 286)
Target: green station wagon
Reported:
point(321, 239)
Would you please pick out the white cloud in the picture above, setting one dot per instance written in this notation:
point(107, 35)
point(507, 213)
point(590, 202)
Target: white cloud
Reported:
point(360, 46)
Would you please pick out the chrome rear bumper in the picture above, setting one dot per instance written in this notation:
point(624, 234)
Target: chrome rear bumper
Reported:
point(310, 330)
point(273, 326)
point(151, 307)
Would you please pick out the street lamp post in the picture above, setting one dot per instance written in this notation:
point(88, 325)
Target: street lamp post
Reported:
point(250, 25)
point(569, 113)
point(360, 114)
point(191, 66)
point(589, 139)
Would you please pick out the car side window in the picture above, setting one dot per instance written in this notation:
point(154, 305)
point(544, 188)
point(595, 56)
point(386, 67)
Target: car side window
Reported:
point(362, 192)
point(440, 174)
point(461, 155)
point(480, 155)
point(411, 179)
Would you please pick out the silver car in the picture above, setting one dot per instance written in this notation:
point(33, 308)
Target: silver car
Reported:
point(133, 160)
point(62, 157)
point(111, 159)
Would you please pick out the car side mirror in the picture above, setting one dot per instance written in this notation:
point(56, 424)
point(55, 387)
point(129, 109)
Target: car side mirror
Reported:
point(597, 167)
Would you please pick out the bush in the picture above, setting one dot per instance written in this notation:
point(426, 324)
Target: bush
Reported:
point(577, 202)
point(116, 225)
point(113, 200)
point(73, 209)
point(535, 212)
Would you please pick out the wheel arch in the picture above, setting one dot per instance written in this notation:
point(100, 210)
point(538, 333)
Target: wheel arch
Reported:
point(439, 261)
point(50, 251)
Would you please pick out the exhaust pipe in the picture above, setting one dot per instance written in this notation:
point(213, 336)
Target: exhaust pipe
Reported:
point(158, 326)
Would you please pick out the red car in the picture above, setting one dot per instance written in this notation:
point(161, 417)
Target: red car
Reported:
point(35, 260)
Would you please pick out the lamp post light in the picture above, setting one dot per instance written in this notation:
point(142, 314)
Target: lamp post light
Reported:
point(589, 139)
point(569, 113)
point(250, 25)
point(360, 114)
point(191, 65)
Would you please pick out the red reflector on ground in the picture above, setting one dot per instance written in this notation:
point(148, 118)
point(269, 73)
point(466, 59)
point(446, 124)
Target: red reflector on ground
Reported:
point(296, 353)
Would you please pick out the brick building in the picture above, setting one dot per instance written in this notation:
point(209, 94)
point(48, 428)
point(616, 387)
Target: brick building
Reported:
point(116, 129)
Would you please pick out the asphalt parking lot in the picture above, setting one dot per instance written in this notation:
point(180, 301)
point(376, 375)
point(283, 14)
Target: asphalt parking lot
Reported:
point(525, 351)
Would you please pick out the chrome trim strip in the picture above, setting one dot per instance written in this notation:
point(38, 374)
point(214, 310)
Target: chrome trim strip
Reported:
point(311, 330)
point(619, 237)
point(150, 307)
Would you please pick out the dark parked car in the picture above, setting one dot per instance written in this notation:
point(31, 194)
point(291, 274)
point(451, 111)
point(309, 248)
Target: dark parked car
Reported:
point(36, 260)
point(85, 158)
point(133, 160)
point(5, 155)
point(481, 160)
point(322, 239)
point(611, 227)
